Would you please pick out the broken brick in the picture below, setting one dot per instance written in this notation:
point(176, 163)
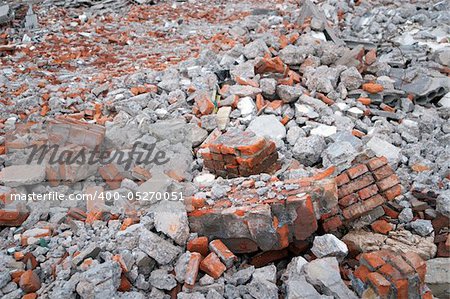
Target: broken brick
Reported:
point(29, 282)
point(381, 226)
point(212, 266)
point(225, 255)
point(192, 268)
point(379, 283)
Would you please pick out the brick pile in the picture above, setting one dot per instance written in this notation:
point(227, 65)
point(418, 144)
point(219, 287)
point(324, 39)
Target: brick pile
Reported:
point(363, 187)
point(391, 275)
point(237, 153)
point(248, 218)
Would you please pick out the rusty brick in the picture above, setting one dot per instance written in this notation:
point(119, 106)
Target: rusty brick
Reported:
point(212, 266)
point(380, 284)
point(376, 163)
point(388, 182)
point(199, 244)
point(225, 255)
point(382, 172)
point(368, 191)
point(357, 171)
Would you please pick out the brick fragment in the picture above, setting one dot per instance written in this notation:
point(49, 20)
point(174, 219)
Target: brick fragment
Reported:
point(268, 257)
point(381, 226)
point(12, 217)
point(332, 224)
point(125, 284)
point(388, 182)
point(199, 244)
point(393, 192)
point(192, 268)
point(30, 296)
point(222, 251)
point(376, 163)
point(29, 282)
point(380, 284)
point(357, 170)
point(372, 87)
point(212, 266)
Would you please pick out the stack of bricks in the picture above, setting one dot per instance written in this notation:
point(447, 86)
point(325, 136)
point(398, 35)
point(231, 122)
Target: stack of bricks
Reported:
point(362, 188)
point(391, 275)
point(237, 154)
point(248, 220)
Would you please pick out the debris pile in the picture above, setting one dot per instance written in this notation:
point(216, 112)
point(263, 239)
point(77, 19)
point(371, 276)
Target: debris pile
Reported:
point(202, 150)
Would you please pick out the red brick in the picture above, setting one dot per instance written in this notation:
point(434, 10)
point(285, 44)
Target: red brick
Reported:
point(268, 257)
point(361, 273)
point(362, 208)
point(110, 173)
point(199, 245)
point(371, 260)
point(349, 200)
point(342, 179)
point(222, 251)
point(400, 264)
point(357, 171)
point(382, 172)
point(393, 192)
point(381, 226)
point(368, 191)
point(390, 212)
point(332, 224)
point(192, 268)
point(30, 296)
point(12, 217)
point(212, 266)
point(358, 184)
point(29, 282)
point(306, 222)
point(125, 284)
point(380, 284)
point(390, 272)
point(388, 182)
point(414, 260)
point(372, 87)
point(401, 288)
point(376, 163)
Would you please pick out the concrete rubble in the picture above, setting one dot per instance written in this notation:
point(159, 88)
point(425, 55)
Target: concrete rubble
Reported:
point(294, 150)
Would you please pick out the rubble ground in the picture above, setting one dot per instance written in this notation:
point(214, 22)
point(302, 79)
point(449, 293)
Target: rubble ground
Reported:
point(225, 149)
